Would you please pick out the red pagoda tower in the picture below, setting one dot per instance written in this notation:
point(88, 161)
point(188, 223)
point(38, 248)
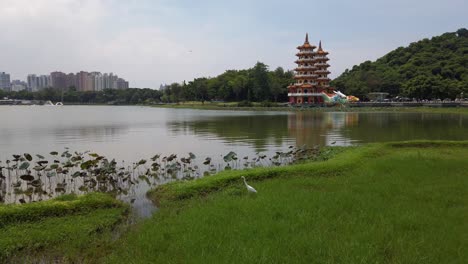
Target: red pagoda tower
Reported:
point(322, 68)
point(311, 77)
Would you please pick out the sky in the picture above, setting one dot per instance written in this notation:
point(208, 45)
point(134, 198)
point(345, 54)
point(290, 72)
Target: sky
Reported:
point(150, 42)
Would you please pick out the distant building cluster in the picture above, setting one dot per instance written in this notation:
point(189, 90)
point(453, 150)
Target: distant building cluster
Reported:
point(18, 85)
point(81, 81)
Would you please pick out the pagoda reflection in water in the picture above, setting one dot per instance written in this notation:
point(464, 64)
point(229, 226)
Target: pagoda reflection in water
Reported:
point(319, 128)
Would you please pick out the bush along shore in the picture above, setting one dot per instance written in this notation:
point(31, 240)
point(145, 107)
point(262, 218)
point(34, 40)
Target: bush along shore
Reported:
point(402, 202)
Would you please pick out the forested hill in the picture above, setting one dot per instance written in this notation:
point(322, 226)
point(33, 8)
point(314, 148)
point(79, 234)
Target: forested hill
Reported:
point(427, 69)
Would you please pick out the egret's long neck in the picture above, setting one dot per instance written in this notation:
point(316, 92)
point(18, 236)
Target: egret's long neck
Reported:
point(245, 182)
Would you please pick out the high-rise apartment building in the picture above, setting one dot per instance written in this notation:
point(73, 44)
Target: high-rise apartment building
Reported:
point(5, 81)
point(33, 85)
point(58, 80)
point(89, 85)
point(98, 81)
point(36, 83)
point(110, 81)
point(122, 84)
point(85, 81)
point(71, 81)
point(44, 81)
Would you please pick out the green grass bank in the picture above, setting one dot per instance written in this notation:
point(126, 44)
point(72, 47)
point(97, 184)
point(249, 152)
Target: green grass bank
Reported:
point(379, 203)
point(59, 230)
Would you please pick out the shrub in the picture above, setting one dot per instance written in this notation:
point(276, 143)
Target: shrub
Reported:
point(245, 103)
point(266, 103)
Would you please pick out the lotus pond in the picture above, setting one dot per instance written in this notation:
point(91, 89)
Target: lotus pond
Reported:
point(26, 178)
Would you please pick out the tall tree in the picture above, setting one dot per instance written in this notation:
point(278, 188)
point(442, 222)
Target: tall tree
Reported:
point(260, 80)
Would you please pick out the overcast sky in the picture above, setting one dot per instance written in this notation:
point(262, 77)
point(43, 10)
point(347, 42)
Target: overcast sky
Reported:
point(149, 42)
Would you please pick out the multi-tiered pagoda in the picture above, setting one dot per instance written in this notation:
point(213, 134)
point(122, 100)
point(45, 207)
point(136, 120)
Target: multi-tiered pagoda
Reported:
point(311, 75)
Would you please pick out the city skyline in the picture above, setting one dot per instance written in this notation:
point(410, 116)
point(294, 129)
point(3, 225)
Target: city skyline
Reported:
point(154, 42)
point(82, 81)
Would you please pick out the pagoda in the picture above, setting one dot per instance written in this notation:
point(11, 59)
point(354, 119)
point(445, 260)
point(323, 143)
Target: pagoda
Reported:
point(311, 78)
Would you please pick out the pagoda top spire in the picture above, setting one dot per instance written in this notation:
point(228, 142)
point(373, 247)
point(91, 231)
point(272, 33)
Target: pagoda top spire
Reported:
point(320, 50)
point(306, 44)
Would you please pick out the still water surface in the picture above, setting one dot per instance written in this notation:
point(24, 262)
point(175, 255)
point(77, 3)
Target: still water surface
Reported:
point(131, 133)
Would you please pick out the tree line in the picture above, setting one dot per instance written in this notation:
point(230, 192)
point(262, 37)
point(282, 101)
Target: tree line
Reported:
point(257, 84)
point(427, 69)
point(106, 96)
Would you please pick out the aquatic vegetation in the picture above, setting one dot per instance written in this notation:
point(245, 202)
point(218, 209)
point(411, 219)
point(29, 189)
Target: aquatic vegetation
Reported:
point(29, 178)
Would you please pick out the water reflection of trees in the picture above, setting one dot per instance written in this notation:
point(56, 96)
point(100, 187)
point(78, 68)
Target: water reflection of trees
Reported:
point(378, 127)
point(90, 133)
point(260, 131)
point(324, 128)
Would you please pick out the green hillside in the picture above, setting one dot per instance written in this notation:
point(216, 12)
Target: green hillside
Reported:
point(427, 69)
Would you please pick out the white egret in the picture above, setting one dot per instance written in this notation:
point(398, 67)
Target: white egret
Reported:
point(249, 188)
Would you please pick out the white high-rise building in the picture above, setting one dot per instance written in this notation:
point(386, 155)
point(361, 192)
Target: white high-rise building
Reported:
point(44, 81)
point(110, 81)
point(98, 81)
point(36, 83)
point(33, 84)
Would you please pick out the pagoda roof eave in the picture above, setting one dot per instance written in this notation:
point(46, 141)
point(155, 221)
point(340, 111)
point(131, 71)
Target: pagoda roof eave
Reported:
point(322, 52)
point(305, 77)
point(305, 61)
point(309, 53)
point(306, 46)
point(304, 85)
point(305, 70)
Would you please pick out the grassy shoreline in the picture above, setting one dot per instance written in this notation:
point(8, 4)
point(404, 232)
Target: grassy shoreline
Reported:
point(257, 107)
point(379, 203)
point(59, 229)
point(343, 160)
point(398, 202)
